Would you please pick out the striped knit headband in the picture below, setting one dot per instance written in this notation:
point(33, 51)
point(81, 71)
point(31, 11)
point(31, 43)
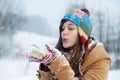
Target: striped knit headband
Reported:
point(84, 23)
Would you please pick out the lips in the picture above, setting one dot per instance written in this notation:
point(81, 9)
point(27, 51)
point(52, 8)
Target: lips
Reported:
point(64, 40)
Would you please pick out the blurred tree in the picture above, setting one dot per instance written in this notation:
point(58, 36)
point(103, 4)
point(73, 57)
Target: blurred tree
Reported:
point(100, 22)
point(9, 13)
point(107, 43)
point(118, 48)
point(37, 24)
point(10, 20)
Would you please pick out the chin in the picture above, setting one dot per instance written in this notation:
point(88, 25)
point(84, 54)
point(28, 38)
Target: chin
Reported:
point(66, 46)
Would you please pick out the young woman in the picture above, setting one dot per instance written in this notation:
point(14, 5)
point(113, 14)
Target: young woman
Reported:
point(77, 56)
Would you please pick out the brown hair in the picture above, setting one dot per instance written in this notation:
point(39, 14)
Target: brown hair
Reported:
point(75, 59)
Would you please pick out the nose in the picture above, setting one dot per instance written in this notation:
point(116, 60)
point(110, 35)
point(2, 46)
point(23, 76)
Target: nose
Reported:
point(65, 31)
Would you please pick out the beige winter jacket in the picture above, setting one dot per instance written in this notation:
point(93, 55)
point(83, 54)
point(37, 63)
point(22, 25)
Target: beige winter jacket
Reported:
point(95, 67)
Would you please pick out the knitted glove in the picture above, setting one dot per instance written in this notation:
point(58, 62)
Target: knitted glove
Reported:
point(52, 54)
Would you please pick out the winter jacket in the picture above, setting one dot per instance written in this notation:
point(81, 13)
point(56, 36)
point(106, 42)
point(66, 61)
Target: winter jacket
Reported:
point(95, 67)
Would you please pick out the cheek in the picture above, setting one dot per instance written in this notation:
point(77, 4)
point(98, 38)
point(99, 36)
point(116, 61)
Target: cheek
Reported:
point(61, 34)
point(74, 38)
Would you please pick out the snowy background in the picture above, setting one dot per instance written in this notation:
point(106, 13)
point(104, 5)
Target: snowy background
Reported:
point(27, 22)
point(22, 69)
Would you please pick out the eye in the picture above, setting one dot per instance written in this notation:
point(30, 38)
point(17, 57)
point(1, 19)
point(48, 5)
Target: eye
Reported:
point(71, 27)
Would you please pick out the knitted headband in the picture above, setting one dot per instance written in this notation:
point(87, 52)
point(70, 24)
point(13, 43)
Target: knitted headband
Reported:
point(84, 23)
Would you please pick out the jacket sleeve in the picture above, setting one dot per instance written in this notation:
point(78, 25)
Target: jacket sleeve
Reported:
point(61, 69)
point(98, 71)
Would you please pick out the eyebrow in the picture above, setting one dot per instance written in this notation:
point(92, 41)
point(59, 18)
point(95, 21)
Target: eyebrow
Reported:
point(71, 24)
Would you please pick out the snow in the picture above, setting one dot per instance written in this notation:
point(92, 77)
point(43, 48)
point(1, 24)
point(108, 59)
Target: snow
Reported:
point(114, 75)
point(24, 70)
point(18, 70)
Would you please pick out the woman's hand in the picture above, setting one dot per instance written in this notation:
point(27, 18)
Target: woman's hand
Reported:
point(52, 54)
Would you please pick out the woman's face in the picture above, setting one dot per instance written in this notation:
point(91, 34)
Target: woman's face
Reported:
point(69, 34)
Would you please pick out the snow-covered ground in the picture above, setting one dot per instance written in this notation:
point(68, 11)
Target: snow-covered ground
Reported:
point(18, 70)
point(24, 70)
point(114, 75)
